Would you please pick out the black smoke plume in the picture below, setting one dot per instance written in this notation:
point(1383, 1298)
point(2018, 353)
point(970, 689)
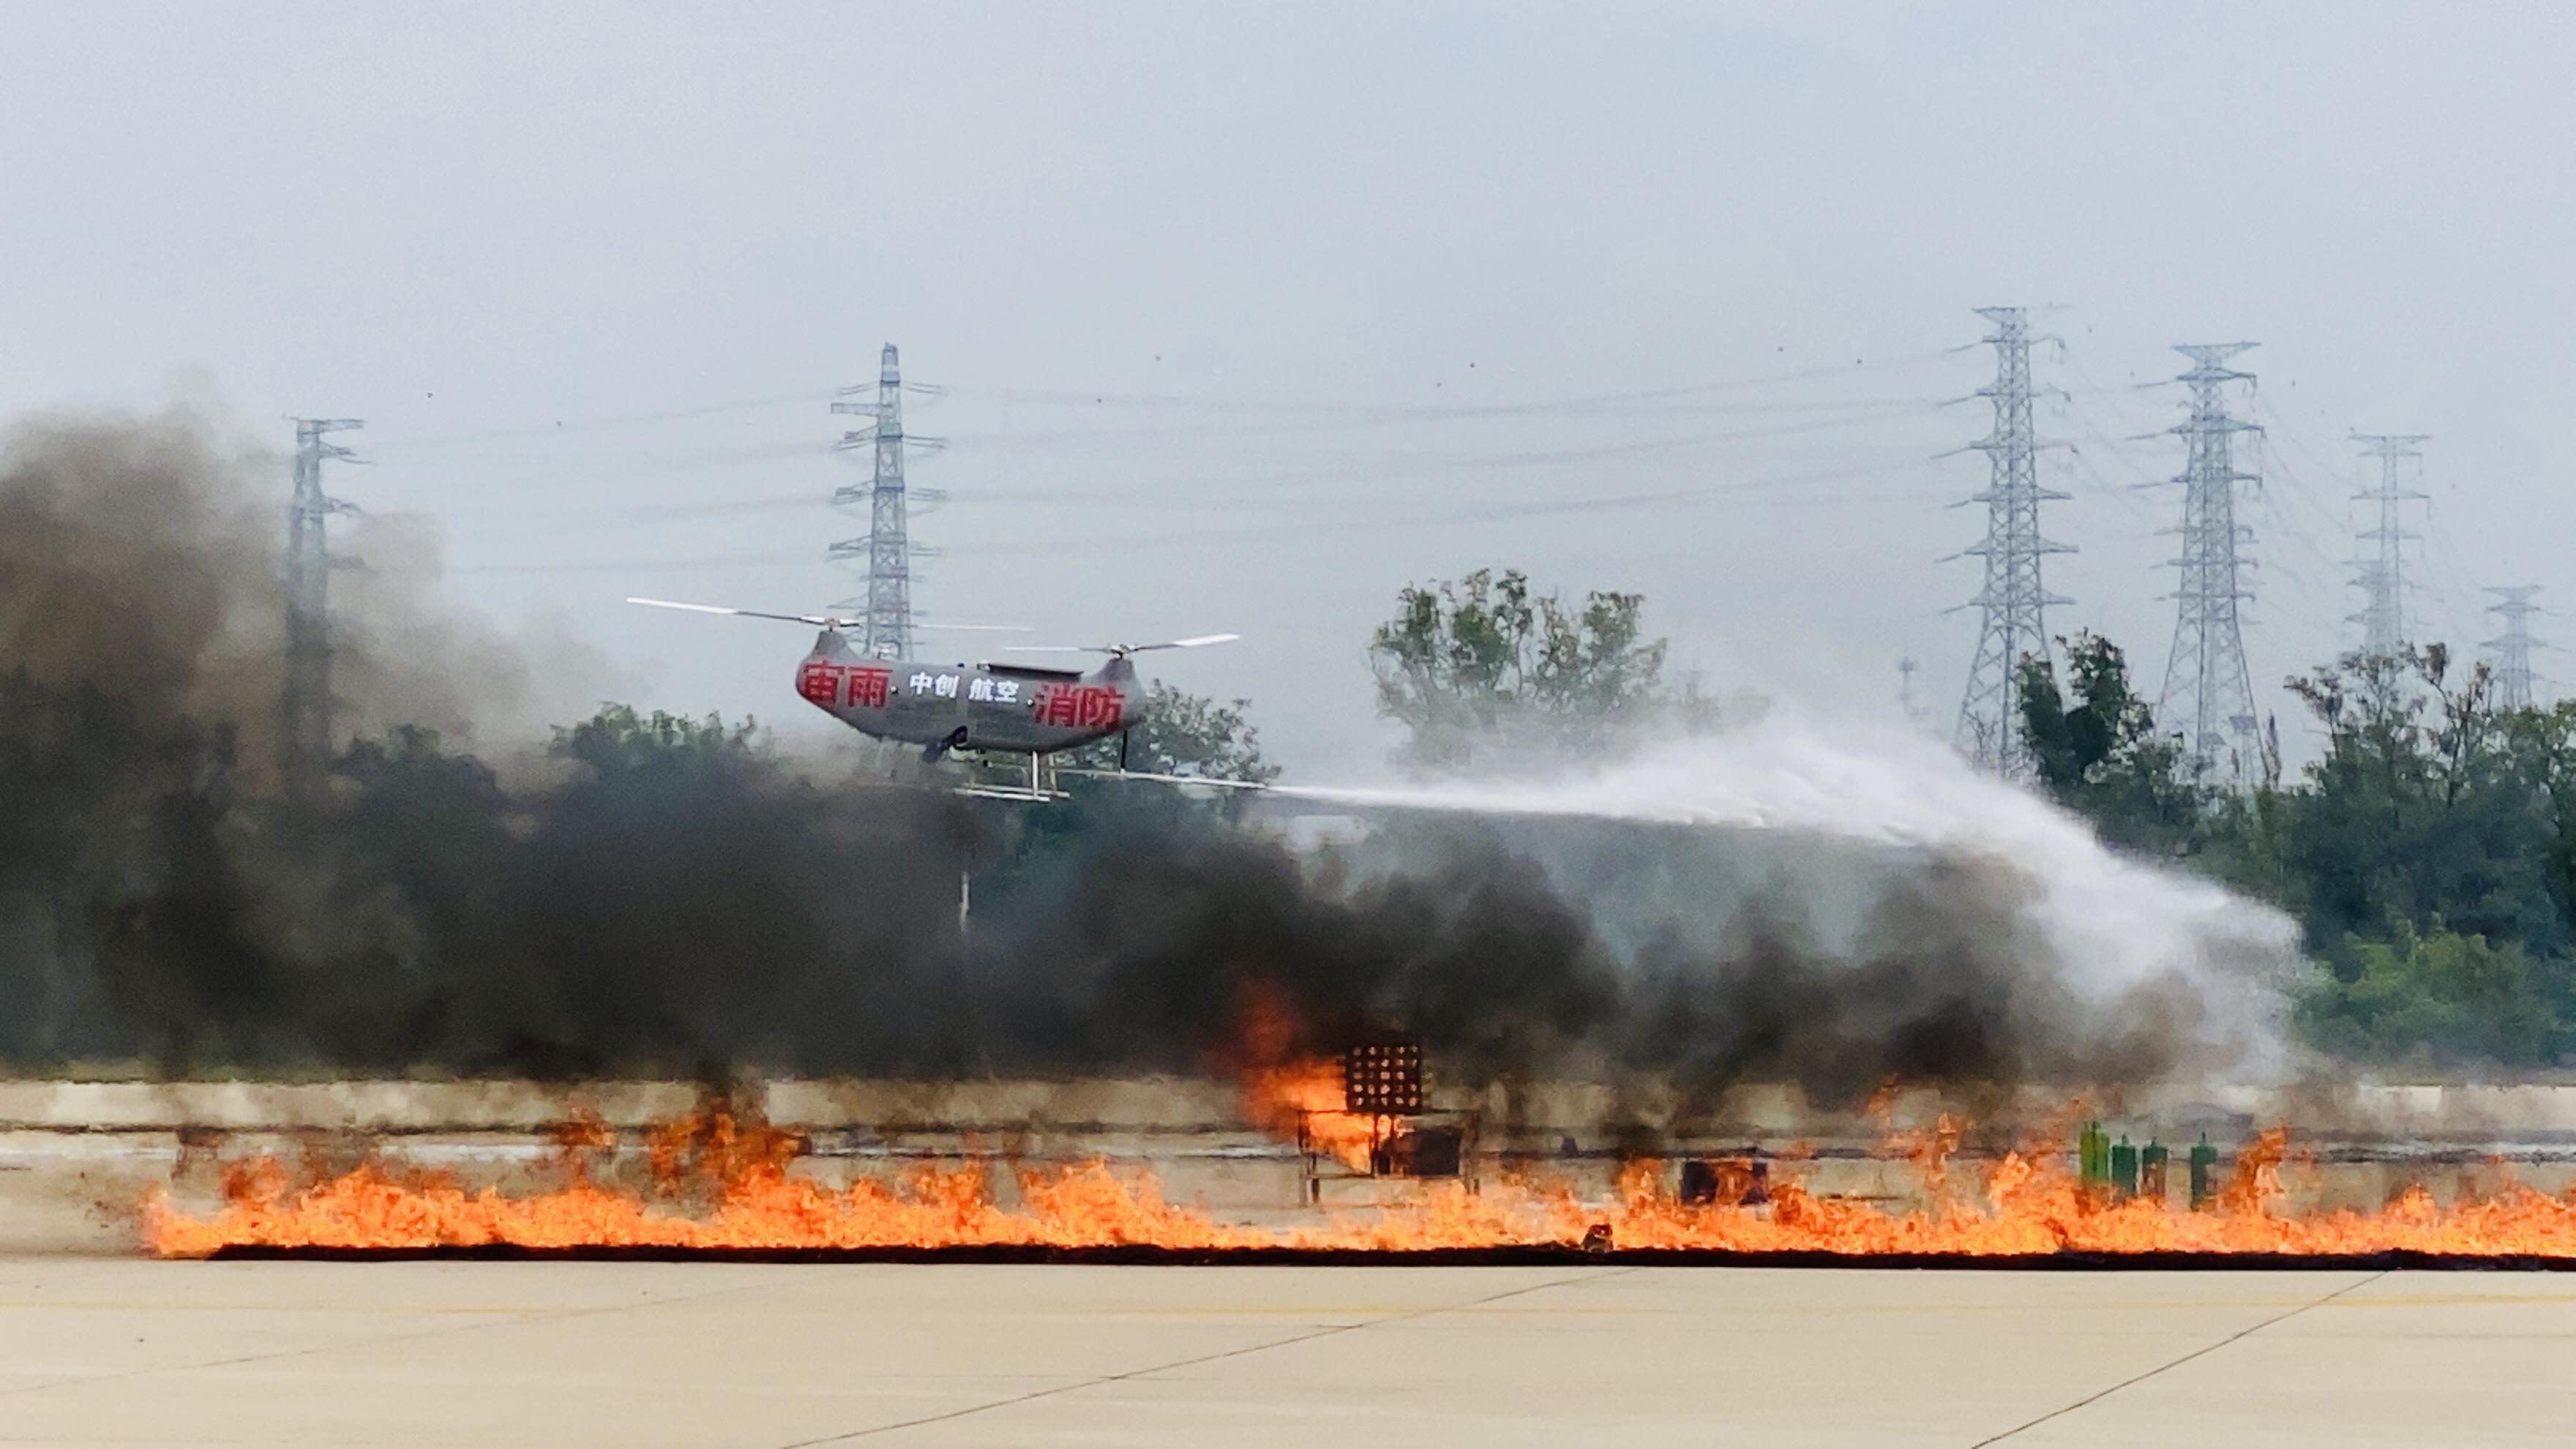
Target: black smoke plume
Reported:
point(670, 896)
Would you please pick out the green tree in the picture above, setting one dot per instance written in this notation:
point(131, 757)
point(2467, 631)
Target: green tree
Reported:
point(2101, 754)
point(2418, 810)
point(119, 882)
point(619, 740)
point(2438, 997)
point(2429, 852)
point(1470, 664)
point(1185, 734)
point(2541, 746)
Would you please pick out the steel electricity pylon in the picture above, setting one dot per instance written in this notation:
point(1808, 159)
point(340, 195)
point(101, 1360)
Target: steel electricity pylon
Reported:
point(884, 553)
point(2013, 604)
point(2208, 693)
point(2380, 569)
point(2512, 649)
point(305, 734)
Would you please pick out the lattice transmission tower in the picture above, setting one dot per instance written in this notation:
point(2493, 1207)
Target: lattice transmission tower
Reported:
point(884, 553)
point(2380, 570)
point(305, 734)
point(1915, 714)
point(2512, 649)
point(2014, 600)
point(2208, 692)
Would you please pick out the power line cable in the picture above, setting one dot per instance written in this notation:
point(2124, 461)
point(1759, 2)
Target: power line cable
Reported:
point(1487, 513)
point(559, 428)
point(1206, 403)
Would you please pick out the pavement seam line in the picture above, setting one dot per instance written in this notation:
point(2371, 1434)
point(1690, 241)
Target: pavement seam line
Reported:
point(1328, 1331)
point(442, 1332)
point(2202, 1351)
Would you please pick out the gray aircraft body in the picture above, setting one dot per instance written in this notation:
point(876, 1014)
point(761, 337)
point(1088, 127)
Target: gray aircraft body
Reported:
point(1006, 708)
point(997, 708)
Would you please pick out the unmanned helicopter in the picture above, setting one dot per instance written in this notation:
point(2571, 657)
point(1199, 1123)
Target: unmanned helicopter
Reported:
point(1009, 709)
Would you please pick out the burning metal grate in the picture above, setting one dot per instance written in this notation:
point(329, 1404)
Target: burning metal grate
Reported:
point(1383, 1079)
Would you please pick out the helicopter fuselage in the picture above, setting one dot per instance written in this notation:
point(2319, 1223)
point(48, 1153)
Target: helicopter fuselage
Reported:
point(1004, 708)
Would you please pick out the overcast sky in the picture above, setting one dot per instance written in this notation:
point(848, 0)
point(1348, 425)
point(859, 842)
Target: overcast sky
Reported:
point(1246, 316)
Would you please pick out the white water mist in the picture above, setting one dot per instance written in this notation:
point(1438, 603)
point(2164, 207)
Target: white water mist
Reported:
point(2111, 922)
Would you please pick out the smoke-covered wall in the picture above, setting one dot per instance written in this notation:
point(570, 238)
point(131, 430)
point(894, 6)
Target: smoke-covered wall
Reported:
point(668, 897)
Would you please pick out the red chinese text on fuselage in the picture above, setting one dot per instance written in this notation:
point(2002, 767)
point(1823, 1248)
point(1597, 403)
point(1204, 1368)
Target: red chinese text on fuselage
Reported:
point(826, 684)
point(1081, 706)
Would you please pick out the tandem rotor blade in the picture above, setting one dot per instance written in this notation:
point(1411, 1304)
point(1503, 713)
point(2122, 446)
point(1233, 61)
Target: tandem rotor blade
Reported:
point(822, 620)
point(1196, 641)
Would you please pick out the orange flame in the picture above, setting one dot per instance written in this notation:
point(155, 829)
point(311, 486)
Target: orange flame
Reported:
point(1290, 1094)
point(742, 1196)
point(1929, 1151)
point(1302, 1103)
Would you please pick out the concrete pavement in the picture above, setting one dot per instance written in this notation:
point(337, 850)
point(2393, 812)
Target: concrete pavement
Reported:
point(121, 1351)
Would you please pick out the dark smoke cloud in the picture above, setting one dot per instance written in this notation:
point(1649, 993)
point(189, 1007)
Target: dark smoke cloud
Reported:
point(129, 564)
point(1150, 945)
point(677, 898)
point(408, 658)
point(1638, 955)
point(1944, 984)
point(665, 909)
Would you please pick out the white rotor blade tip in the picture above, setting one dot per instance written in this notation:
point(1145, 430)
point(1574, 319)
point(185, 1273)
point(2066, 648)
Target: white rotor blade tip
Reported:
point(1204, 639)
point(676, 604)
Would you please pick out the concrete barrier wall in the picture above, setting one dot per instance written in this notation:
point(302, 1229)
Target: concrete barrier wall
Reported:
point(2427, 1112)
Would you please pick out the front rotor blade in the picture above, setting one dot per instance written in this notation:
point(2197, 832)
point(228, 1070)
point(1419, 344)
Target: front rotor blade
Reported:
point(817, 619)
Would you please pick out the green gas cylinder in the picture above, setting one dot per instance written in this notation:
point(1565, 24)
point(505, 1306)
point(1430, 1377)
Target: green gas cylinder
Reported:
point(2151, 1170)
point(2204, 1164)
point(2093, 1156)
point(2124, 1167)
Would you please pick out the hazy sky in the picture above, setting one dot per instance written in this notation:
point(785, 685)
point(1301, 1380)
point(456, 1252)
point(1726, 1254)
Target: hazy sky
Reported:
point(1249, 315)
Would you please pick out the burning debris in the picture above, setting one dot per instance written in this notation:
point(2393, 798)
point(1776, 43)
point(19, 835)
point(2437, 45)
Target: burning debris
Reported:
point(1725, 1182)
point(1382, 1125)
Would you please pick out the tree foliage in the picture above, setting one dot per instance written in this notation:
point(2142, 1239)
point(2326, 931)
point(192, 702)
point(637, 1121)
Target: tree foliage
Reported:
point(2429, 851)
point(118, 836)
point(1482, 665)
point(1186, 734)
point(2437, 997)
point(2101, 754)
point(620, 741)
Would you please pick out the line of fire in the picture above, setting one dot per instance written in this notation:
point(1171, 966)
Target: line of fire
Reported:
point(1381, 1165)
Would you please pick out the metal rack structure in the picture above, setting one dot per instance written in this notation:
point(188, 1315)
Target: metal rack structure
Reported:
point(1382, 1085)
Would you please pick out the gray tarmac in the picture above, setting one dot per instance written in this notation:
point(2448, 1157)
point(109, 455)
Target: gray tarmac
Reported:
point(107, 1350)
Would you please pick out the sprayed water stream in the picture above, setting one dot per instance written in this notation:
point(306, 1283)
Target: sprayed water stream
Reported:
point(2110, 923)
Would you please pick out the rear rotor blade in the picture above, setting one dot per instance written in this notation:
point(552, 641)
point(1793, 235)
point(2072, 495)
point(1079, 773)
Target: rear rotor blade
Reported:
point(1195, 641)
